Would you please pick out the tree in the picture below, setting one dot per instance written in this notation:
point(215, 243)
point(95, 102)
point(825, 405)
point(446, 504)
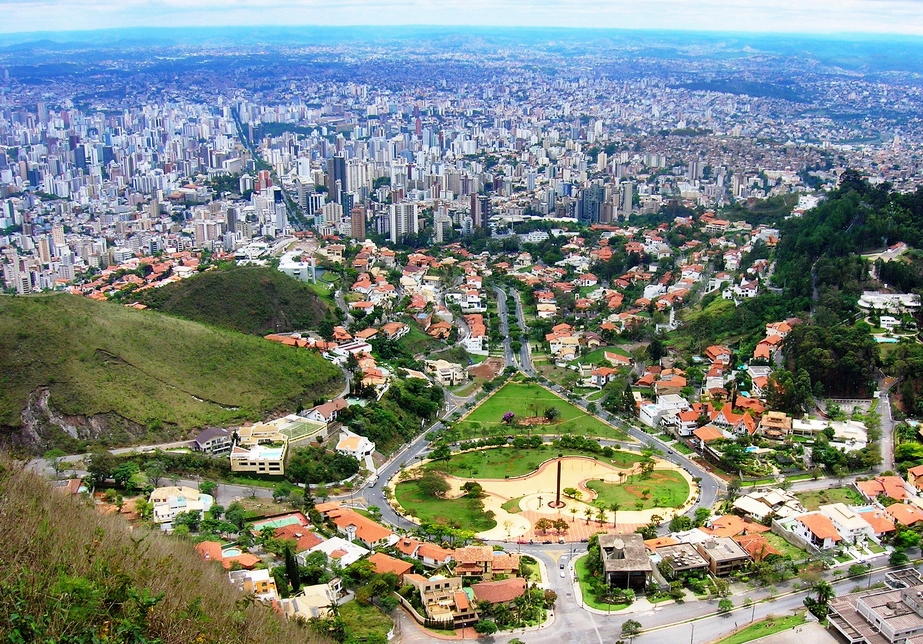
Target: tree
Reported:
point(208, 487)
point(551, 414)
point(614, 509)
point(441, 453)
point(433, 483)
point(236, 515)
point(291, 569)
point(485, 627)
point(154, 470)
point(630, 628)
point(680, 523)
point(55, 458)
point(588, 513)
point(701, 516)
point(544, 525)
point(725, 605)
point(733, 488)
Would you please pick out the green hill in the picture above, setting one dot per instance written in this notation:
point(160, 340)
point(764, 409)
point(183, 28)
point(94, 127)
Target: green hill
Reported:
point(116, 375)
point(249, 299)
point(70, 574)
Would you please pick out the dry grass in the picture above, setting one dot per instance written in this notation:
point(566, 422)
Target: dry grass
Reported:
point(68, 574)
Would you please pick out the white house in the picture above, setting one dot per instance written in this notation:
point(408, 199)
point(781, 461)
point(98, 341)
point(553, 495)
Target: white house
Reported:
point(848, 524)
point(354, 445)
point(169, 501)
point(817, 529)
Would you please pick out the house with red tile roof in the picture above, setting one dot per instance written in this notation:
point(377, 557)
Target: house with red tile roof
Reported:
point(483, 562)
point(355, 526)
point(816, 529)
point(756, 546)
point(891, 486)
point(304, 539)
point(499, 592)
point(383, 563)
point(905, 514)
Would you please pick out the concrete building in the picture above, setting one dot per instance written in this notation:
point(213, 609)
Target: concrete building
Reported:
point(723, 554)
point(852, 527)
point(880, 616)
point(625, 561)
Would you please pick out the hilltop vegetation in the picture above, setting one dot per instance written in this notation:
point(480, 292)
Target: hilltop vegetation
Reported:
point(119, 375)
point(249, 299)
point(69, 574)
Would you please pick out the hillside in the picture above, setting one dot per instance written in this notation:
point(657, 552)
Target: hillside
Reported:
point(116, 375)
point(250, 299)
point(69, 574)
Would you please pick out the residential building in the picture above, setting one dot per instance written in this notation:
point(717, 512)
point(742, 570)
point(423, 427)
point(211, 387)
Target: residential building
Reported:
point(169, 501)
point(260, 583)
point(499, 592)
point(354, 445)
point(816, 529)
point(447, 374)
point(483, 562)
point(723, 554)
point(354, 526)
point(214, 440)
point(893, 487)
point(386, 563)
point(683, 558)
point(445, 600)
point(327, 412)
point(313, 602)
point(337, 549)
point(852, 527)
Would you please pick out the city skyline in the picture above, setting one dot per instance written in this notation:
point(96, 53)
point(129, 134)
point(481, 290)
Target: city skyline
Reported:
point(882, 17)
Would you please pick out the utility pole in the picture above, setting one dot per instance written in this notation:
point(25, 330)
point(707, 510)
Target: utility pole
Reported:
point(692, 634)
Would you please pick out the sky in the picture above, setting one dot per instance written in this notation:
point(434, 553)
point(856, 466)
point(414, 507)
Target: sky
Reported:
point(784, 16)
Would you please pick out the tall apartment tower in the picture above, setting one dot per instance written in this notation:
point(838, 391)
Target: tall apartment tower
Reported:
point(357, 223)
point(403, 220)
point(336, 177)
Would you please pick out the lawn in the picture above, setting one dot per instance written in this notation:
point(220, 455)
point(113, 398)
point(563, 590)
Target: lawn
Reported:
point(417, 342)
point(365, 623)
point(783, 546)
point(502, 462)
point(816, 498)
point(768, 626)
point(681, 447)
point(456, 513)
point(512, 506)
point(598, 356)
point(596, 396)
point(527, 400)
point(584, 577)
point(665, 489)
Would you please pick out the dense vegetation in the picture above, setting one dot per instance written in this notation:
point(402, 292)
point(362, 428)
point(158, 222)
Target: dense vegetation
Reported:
point(314, 465)
point(398, 416)
point(69, 574)
point(840, 360)
point(249, 299)
point(139, 374)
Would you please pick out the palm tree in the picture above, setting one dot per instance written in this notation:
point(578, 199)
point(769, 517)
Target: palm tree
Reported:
point(614, 508)
point(573, 512)
point(601, 516)
point(588, 513)
point(824, 592)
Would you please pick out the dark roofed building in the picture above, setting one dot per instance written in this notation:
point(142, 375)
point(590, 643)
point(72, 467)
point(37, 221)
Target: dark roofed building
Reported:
point(214, 440)
point(625, 561)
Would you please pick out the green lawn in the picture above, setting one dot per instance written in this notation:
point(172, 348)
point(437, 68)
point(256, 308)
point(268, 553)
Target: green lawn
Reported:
point(528, 399)
point(783, 546)
point(583, 577)
point(768, 626)
point(599, 355)
point(665, 489)
point(512, 506)
point(501, 462)
point(456, 513)
point(596, 396)
point(680, 447)
point(365, 623)
point(816, 498)
point(416, 342)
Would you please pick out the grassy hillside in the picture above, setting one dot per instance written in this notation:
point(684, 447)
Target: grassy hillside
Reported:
point(69, 574)
point(249, 299)
point(148, 376)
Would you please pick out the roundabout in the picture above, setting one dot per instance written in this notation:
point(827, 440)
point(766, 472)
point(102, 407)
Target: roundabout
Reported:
point(596, 494)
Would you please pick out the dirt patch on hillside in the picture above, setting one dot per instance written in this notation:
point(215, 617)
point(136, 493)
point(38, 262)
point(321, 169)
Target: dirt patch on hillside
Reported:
point(489, 369)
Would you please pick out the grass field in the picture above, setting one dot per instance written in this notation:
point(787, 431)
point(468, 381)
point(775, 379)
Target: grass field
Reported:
point(665, 489)
point(527, 399)
point(816, 498)
point(457, 513)
point(783, 546)
point(599, 355)
point(583, 578)
point(500, 462)
point(151, 376)
point(512, 506)
point(766, 627)
point(416, 342)
point(365, 623)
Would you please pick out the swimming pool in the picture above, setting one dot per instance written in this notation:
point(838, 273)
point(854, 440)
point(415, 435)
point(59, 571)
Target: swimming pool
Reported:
point(233, 551)
point(881, 340)
point(278, 522)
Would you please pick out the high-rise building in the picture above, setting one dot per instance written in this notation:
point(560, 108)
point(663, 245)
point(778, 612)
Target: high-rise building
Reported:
point(627, 189)
point(403, 220)
point(336, 177)
point(357, 223)
point(590, 206)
